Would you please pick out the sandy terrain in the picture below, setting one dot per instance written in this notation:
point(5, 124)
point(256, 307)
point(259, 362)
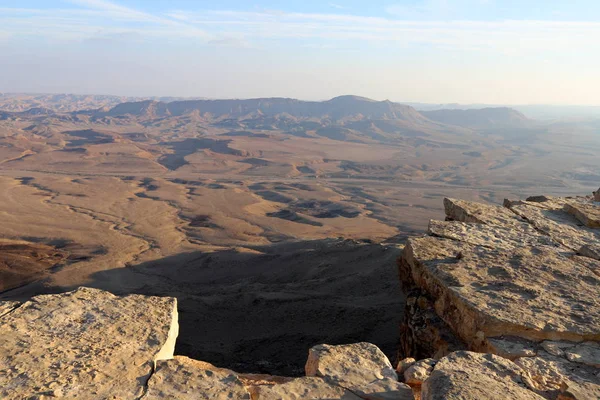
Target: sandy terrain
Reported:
point(273, 237)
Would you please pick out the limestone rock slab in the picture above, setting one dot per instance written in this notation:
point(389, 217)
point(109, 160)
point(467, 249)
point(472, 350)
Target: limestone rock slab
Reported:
point(587, 353)
point(554, 221)
point(492, 236)
point(304, 388)
point(472, 212)
point(349, 364)
point(384, 389)
point(551, 375)
point(587, 213)
point(589, 263)
point(511, 347)
point(417, 373)
point(84, 344)
point(183, 379)
point(465, 375)
point(591, 251)
point(531, 292)
point(360, 367)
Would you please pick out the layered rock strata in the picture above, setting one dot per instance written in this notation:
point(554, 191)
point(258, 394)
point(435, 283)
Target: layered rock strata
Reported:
point(520, 282)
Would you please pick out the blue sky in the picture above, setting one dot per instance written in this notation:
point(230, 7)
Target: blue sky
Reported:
point(467, 51)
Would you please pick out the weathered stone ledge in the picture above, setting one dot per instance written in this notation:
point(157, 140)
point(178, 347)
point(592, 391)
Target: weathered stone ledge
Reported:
point(502, 303)
point(520, 282)
point(90, 344)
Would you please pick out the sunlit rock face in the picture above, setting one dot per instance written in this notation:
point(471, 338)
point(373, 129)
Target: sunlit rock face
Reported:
point(85, 344)
point(502, 302)
point(520, 282)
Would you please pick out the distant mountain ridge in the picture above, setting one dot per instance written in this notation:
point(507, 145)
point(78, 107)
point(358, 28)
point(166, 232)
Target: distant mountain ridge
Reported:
point(489, 117)
point(337, 108)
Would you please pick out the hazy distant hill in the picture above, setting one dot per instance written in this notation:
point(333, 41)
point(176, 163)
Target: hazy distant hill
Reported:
point(336, 109)
point(489, 117)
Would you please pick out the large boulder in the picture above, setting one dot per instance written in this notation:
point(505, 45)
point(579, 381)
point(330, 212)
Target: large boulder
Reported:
point(359, 367)
point(349, 364)
point(84, 344)
point(418, 372)
point(535, 293)
point(182, 379)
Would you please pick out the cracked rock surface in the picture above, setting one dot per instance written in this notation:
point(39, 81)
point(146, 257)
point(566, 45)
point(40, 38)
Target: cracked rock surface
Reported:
point(85, 344)
point(519, 282)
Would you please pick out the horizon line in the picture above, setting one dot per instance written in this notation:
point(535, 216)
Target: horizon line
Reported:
point(184, 98)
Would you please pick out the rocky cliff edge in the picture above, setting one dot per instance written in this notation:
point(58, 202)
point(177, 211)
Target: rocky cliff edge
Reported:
point(502, 303)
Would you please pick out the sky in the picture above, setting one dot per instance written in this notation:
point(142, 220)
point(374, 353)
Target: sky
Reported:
point(432, 51)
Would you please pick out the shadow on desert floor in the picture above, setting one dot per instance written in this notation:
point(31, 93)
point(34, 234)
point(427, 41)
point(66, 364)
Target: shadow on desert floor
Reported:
point(261, 310)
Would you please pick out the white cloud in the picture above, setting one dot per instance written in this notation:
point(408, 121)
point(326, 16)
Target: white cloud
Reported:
point(102, 19)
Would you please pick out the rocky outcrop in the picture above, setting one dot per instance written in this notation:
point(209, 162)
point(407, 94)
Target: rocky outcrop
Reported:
point(361, 368)
point(473, 376)
point(181, 379)
point(502, 303)
point(90, 344)
point(519, 282)
point(85, 344)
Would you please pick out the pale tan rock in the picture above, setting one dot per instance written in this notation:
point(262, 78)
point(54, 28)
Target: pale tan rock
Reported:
point(480, 292)
point(510, 347)
point(7, 306)
point(465, 375)
point(185, 379)
point(551, 219)
point(85, 344)
point(591, 251)
point(262, 379)
point(556, 348)
point(419, 371)
point(472, 212)
point(492, 236)
point(587, 213)
point(359, 367)
point(589, 263)
point(549, 375)
point(384, 389)
point(403, 365)
point(304, 388)
point(587, 353)
point(580, 390)
point(349, 365)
